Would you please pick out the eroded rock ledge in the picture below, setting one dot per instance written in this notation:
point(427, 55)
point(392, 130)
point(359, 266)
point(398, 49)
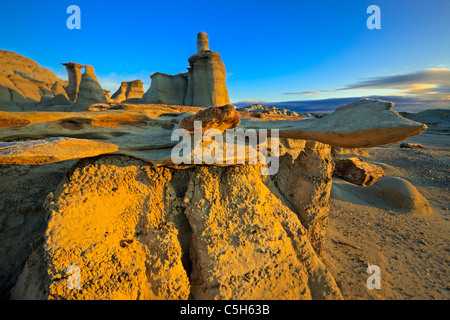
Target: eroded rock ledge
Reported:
point(137, 231)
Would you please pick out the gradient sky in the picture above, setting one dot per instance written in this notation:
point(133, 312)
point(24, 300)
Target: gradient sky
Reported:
point(272, 50)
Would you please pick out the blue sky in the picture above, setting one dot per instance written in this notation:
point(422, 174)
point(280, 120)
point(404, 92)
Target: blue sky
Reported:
point(272, 50)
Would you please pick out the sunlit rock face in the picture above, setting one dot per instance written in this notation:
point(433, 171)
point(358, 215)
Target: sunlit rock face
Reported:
point(203, 85)
point(136, 231)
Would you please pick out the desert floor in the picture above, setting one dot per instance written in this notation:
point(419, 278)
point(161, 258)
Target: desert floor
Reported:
point(412, 251)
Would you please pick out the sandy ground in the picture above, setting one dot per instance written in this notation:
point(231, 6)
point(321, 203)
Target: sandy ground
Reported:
point(412, 251)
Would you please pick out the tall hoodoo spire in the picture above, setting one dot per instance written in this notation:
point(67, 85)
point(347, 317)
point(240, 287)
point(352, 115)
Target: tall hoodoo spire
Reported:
point(202, 42)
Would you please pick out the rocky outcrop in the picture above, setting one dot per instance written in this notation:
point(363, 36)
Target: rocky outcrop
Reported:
point(269, 110)
point(23, 81)
point(90, 91)
point(220, 118)
point(401, 194)
point(129, 90)
point(51, 150)
point(357, 171)
point(74, 73)
point(409, 145)
point(145, 133)
point(304, 180)
point(206, 74)
point(136, 231)
point(203, 85)
point(364, 123)
point(23, 189)
point(166, 89)
point(58, 100)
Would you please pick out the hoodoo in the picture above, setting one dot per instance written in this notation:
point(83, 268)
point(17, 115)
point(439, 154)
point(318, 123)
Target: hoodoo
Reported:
point(202, 86)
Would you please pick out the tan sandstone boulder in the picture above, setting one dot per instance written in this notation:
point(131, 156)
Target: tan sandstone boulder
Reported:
point(221, 118)
point(357, 171)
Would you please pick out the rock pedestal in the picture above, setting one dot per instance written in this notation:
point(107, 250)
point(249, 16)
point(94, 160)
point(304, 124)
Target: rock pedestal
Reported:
point(202, 86)
point(90, 91)
point(74, 73)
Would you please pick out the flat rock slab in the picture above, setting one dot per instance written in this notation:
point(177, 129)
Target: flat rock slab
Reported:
point(364, 123)
point(51, 150)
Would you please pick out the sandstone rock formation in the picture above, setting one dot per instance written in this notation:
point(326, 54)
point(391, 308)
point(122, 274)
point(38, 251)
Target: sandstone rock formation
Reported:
point(89, 91)
point(107, 94)
point(221, 118)
point(23, 189)
point(23, 81)
point(364, 123)
point(74, 73)
point(206, 77)
point(401, 194)
point(129, 90)
point(141, 232)
point(269, 110)
point(51, 150)
point(145, 133)
point(167, 89)
point(154, 230)
point(357, 171)
point(408, 145)
point(203, 85)
point(57, 100)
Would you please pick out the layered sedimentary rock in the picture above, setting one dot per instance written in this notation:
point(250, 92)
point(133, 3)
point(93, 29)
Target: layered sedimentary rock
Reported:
point(167, 89)
point(51, 150)
point(357, 171)
point(89, 91)
point(23, 81)
point(203, 85)
point(364, 123)
point(74, 73)
point(146, 133)
point(136, 231)
point(129, 90)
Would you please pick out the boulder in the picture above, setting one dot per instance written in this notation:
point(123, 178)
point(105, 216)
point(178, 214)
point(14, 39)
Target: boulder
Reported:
point(357, 171)
point(408, 145)
point(90, 91)
point(129, 90)
point(221, 118)
point(401, 194)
